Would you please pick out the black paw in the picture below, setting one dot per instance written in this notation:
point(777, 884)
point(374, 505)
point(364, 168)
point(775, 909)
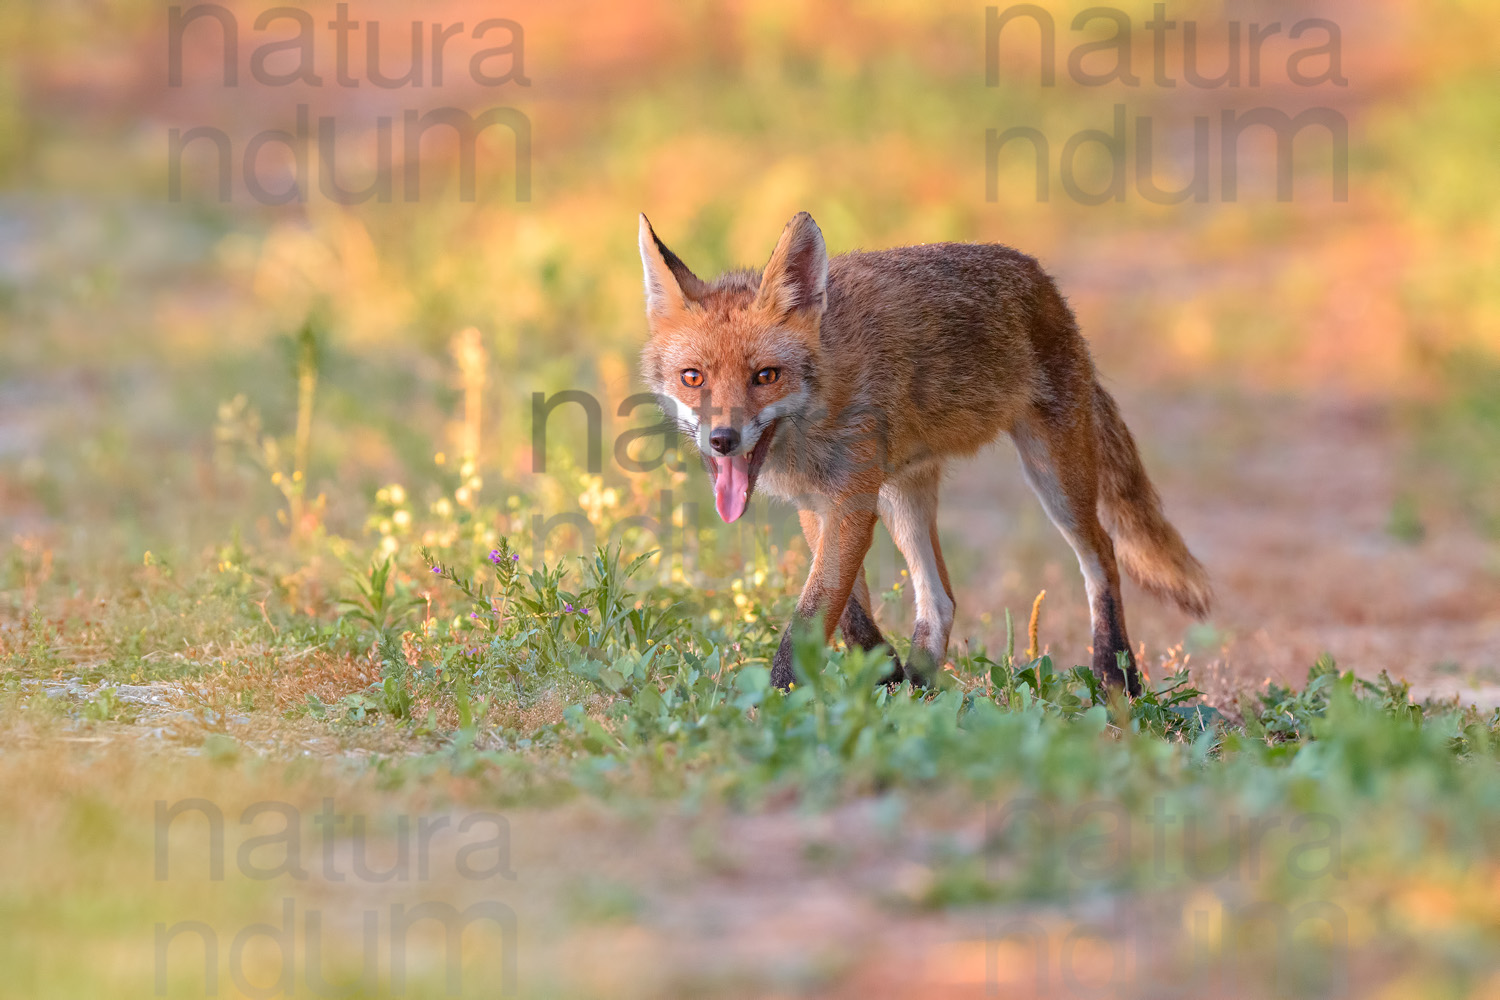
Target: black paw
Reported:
point(1106, 667)
point(896, 675)
point(920, 667)
point(782, 675)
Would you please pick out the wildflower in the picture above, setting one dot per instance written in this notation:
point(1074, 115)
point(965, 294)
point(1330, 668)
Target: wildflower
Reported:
point(515, 557)
point(568, 608)
point(583, 611)
point(437, 569)
point(495, 556)
point(474, 615)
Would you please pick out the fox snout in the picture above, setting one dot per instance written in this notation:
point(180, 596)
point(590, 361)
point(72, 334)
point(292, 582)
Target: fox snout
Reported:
point(724, 440)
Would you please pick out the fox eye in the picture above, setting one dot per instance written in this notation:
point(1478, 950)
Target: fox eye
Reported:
point(692, 378)
point(767, 375)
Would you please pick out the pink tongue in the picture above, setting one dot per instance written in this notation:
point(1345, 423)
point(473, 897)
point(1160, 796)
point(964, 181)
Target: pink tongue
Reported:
point(731, 486)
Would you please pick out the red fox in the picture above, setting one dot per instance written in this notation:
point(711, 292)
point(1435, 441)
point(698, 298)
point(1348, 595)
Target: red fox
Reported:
point(844, 386)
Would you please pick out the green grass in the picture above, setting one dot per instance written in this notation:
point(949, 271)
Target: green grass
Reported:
point(1341, 794)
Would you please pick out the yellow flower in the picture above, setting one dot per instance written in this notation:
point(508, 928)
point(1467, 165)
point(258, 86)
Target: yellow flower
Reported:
point(402, 518)
point(397, 493)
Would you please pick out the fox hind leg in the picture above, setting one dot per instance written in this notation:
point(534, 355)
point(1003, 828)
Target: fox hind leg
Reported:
point(1060, 463)
point(859, 629)
point(909, 508)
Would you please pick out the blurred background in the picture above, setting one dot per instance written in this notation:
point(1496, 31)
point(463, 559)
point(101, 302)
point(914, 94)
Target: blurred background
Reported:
point(195, 378)
point(271, 328)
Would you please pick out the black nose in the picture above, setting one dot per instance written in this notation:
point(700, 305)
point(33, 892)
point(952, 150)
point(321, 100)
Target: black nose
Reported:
point(724, 439)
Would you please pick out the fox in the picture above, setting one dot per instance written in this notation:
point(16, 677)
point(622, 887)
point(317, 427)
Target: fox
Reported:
point(846, 385)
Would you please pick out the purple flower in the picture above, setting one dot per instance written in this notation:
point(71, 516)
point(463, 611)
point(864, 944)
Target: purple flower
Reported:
point(474, 615)
point(515, 557)
point(568, 607)
point(437, 569)
point(583, 611)
point(495, 556)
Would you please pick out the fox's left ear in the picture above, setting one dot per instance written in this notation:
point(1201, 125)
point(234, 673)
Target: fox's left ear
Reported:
point(796, 277)
point(669, 283)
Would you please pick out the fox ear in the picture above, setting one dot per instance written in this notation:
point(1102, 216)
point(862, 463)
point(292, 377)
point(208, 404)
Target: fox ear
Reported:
point(796, 277)
point(669, 283)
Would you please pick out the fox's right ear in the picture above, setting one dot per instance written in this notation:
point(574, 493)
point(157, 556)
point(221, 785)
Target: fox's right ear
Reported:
point(669, 283)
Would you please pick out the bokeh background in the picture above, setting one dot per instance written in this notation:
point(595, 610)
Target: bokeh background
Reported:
point(219, 418)
point(1314, 380)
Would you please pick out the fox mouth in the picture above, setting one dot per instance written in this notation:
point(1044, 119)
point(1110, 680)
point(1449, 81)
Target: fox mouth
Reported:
point(734, 476)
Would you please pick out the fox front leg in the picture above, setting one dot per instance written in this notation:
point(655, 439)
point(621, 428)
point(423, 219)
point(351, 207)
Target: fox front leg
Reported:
point(844, 537)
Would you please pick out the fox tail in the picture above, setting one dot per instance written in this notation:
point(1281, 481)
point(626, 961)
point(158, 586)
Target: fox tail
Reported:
point(1148, 548)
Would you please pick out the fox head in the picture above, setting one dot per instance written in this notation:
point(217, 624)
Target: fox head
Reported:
point(735, 358)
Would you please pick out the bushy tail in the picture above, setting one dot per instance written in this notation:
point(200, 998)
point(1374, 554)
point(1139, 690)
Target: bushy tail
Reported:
point(1147, 547)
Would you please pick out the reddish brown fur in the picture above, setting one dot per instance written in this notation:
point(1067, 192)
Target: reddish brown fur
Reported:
point(893, 362)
